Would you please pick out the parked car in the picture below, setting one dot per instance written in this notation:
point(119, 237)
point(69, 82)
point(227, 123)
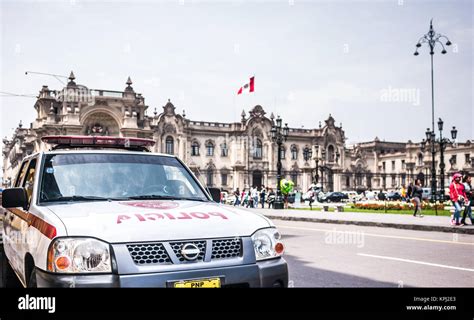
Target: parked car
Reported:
point(123, 217)
point(394, 196)
point(335, 197)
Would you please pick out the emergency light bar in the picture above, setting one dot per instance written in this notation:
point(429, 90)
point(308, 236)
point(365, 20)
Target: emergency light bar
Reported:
point(63, 142)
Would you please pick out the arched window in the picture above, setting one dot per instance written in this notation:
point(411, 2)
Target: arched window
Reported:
point(258, 149)
point(195, 148)
point(169, 145)
point(282, 152)
point(209, 149)
point(294, 152)
point(331, 153)
point(224, 150)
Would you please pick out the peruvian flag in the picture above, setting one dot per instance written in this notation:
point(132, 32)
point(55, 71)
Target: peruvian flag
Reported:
point(248, 87)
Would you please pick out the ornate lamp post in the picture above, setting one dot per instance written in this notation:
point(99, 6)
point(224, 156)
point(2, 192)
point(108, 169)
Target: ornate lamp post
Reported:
point(443, 142)
point(323, 159)
point(431, 39)
point(279, 134)
point(307, 155)
point(442, 147)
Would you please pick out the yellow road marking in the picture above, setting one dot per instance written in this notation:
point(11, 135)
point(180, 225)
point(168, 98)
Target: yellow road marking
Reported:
point(380, 235)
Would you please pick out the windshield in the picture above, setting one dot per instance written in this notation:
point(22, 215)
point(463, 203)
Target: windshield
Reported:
point(95, 177)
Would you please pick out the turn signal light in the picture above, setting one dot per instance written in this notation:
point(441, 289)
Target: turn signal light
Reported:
point(63, 262)
point(279, 248)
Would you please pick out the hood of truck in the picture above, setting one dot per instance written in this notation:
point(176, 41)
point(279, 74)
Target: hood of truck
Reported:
point(156, 220)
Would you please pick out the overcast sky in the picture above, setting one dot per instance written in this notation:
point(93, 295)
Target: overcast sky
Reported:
point(309, 58)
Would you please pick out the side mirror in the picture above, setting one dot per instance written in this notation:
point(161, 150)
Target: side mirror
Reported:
point(215, 194)
point(15, 197)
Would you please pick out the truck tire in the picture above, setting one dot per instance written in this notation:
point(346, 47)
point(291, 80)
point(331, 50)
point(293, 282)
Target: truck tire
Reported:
point(32, 281)
point(9, 278)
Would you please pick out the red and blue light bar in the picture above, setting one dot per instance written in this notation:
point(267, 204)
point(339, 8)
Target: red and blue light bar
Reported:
point(99, 141)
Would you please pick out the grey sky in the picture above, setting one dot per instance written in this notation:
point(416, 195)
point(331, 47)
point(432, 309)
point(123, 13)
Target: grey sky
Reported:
point(309, 59)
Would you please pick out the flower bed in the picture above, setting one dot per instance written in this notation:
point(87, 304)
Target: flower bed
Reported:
point(397, 205)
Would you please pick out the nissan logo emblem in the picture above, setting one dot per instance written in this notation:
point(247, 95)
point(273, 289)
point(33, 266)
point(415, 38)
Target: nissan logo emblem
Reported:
point(190, 251)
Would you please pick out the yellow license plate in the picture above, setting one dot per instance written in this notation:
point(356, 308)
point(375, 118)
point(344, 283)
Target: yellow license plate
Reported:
point(199, 283)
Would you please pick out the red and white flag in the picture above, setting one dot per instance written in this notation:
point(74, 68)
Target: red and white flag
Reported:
point(248, 87)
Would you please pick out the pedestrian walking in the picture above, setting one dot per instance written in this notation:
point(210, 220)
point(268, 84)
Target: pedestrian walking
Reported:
point(458, 197)
point(237, 197)
point(417, 193)
point(466, 180)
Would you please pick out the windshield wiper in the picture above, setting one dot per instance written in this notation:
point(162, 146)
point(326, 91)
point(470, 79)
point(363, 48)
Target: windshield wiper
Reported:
point(163, 197)
point(80, 198)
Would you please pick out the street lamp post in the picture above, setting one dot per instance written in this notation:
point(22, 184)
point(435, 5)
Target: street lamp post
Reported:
point(323, 158)
point(431, 39)
point(307, 155)
point(279, 134)
point(442, 147)
point(443, 142)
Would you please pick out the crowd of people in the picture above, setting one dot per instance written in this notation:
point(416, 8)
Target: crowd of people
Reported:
point(253, 197)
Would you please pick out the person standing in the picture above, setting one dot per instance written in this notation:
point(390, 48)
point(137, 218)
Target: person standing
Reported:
point(466, 180)
point(409, 190)
point(457, 195)
point(271, 198)
point(403, 193)
point(262, 196)
point(417, 193)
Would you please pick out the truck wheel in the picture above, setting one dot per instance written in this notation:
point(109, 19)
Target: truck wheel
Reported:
point(32, 281)
point(9, 278)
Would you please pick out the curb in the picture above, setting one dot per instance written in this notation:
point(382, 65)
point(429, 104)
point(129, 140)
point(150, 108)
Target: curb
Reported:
point(418, 227)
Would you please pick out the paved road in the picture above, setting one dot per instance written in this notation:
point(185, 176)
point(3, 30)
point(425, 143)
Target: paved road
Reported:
point(327, 255)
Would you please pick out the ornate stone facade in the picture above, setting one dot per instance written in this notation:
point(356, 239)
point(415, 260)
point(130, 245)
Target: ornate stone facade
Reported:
point(227, 155)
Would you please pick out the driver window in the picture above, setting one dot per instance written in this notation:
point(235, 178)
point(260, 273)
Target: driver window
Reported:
point(21, 174)
point(29, 182)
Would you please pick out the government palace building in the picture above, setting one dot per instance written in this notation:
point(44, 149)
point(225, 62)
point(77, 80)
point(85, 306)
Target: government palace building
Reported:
point(230, 155)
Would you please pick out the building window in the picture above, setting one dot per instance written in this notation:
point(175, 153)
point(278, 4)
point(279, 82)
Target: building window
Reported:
point(169, 145)
point(294, 177)
point(394, 180)
point(348, 181)
point(420, 159)
point(224, 150)
point(282, 152)
point(209, 149)
point(467, 158)
point(258, 149)
point(224, 179)
point(294, 153)
point(331, 153)
point(383, 166)
point(403, 165)
point(404, 179)
point(209, 176)
point(454, 157)
point(195, 148)
point(393, 165)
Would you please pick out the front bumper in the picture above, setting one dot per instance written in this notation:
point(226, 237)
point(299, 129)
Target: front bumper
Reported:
point(269, 273)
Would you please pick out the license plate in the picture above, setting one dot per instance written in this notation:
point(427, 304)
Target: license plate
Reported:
point(199, 283)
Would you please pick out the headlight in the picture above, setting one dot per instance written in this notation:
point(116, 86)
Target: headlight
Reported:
point(79, 255)
point(267, 244)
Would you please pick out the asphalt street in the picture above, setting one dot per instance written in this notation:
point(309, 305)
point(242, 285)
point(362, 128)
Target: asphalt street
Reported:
point(328, 255)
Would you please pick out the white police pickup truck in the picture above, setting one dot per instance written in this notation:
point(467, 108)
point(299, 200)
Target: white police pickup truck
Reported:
point(103, 212)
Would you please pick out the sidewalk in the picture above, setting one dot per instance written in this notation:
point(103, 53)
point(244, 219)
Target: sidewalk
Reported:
point(386, 220)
